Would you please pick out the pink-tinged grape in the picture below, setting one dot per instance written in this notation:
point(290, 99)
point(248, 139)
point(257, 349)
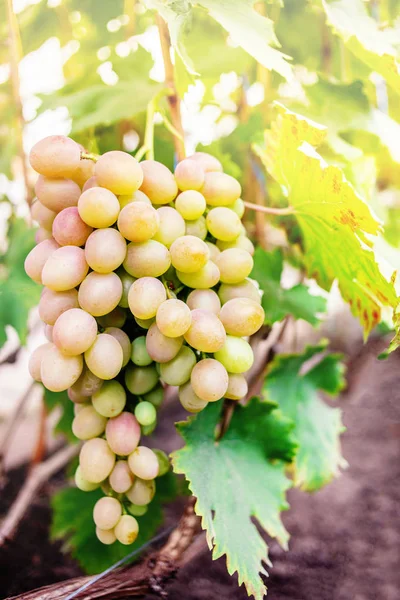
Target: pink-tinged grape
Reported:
point(65, 268)
point(220, 189)
point(155, 396)
point(35, 361)
point(98, 207)
point(244, 289)
point(205, 300)
point(236, 355)
point(189, 254)
point(55, 156)
point(88, 424)
point(106, 536)
point(57, 371)
point(242, 242)
point(124, 341)
point(138, 221)
point(234, 265)
point(160, 347)
point(96, 460)
point(69, 229)
point(197, 228)
point(74, 331)
point(83, 172)
point(206, 161)
point(90, 183)
point(237, 387)
point(80, 406)
point(148, 259)
point(223, 224)
point(99, 293)
point(143, 463)
point(110, 399)
point(190, 204)
point(121, 478)
point(119, 172)
point(173, 318)
point(126, 530)
point(142, 492)
point(140, 380)
point(137, 196)
point(242, 316)
point(189, 400)
point(42, 234)
point(203, 279)
point(107, 512)
point(158, 183)
point(206, 332)
point(105, 250)
point(145, 296)
point(87, 384)
point(214, 251)
point(115, 318)
point(140, 356)
point(53, 304)
point(126, 281)
point(189, 175)
point(209, 380)
point(177, 371)
point(145, 413)
point(82, 483)
point(48, 332)
point(57, 194)
point(37, 258)
point(43, 215)
point(171, 226)
point(123, 433)
point(105, 357)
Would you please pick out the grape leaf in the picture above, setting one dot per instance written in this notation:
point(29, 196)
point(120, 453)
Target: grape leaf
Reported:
point(73, 520)
point(60, 400)
point(253, 486)
point(18, 293)
point(333, 219)
point(365, 38)
point(278, 301)
point(317, 425)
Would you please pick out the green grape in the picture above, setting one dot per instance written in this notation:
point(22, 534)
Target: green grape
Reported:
point(69, 229)
point(145, 296)
point(234, 265)
point(148, 259)
point(53, 304)
point(123, 433)
point(88, 423)
point(206, 333)
point(190, 204)
point(126, 281)
point(220, 189)
point(140, 380)
point(155, 396)
point(138, 221)
point(106, 513)
point(98, 207)
point(189, 175)
point(35, 361)
point(197, 228)
point(99, 293)
point(119, 172)
point(74, 331)
point(55, 156)
point(237, 387)
point(148, 429)
point(189, 254)
point(160, 347)
point(242, 242)
point(43, 215)
point(238, 207)
point(57, 371)
point(105, 250)
point(177, 371)
point(223, 224)
point(158, 183)
point(142, 492)
point(106, 536)
point(137, 511)
point(209, 380)
point(140, 356)
point(172, 226)
point(205, 300)
point(65, 268)
point(82, 483)
point(121, 478)
point(244, 289)
point(37, 258)
point(204, 278)
point(145, 323)
point(105, 357)
point(123, 340)
point(206, 161)
point(189, 400)
point(163, 462)
point(126, 530)
point(96, 460)
point(145, 413)
point(173, 318)
point(236, 355)
point(87, 384)
point(143, 463)
point(242, 316)
point(114, 319)
point(137, 196)
point(57, 194)
point(110, 399)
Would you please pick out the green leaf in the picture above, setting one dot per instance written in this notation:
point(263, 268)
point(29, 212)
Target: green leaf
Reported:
point(73, 519)
point(317, 425)
point(18, 293)
point(333, 219)
point(249, 462)
point(61, 401)
point(365, 38)
point(279, 302)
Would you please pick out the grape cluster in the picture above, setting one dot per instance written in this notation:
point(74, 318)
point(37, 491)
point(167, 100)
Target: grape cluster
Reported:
point(146, 285)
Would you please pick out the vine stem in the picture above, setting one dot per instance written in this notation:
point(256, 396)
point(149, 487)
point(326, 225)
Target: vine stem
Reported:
point(89, 156)
point(173, 97)
point(15, 54)
point(269, 210)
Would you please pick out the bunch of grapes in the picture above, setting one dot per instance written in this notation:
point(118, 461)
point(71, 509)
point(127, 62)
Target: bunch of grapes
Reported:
point(145, 277)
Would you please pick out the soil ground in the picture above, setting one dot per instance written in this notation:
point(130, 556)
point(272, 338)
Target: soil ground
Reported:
point(345, 539)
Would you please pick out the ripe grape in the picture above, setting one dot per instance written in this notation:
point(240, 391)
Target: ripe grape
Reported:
point(82, 483)
point(74, 331)
point(57, 371)
point(238, 207)
point(55, 156)
point(242, 242)
point(80, 406)
point(158, 182)
point(223, 224)
point(138, 221)
point(123, 433)
point(106, 536)
point(145, 413)
point(214, 251)
point(244, 289)
point(160, 347)
point(99, 293)
point(140, 356)
point(137, 196)
point(37, 258)
point(91, 182)
point(206, 332)
point(83, 172)
point(96, 460)
point(206, 161)
point(242, 316)
point(143, 463)
point(234, 265)
point(126, 530)
point(173, 318)
point(220, 189)
point(197, 228)
point(87, 384)
point(171, 226)
point(124, 341)
point(53, 304)
point(69, 229)
point(148, 259)
point(35, 361)
point(189, 400)
point(140, 380)
point(110, 399)
point(57, 194)
point(104, 357)
point(189, 175)
point(209, 380)
point(88, 423)
point(203, 279)
point(106, 513)
point(42, 234)
point(205, 300)
point(98, 207)
point(177, 371)
point(65, 268)
point(119, 172)
point(237, 387)
point(189, 254)
point(142, 492)
point(105, 250)
point(43, 215)
point(236, 355)
point(121, 478)
point(145, 296)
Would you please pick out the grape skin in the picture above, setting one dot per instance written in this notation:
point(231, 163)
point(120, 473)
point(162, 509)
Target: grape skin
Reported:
point(87, 384)
point(106, 513)
point(65, 269)
point(223, 224)
point(234, 265)
point(126, 530)
point(106, 536)
point(142, 492)
point(140, 356)
point(98, 207)
point(207, 162)
point(88, 423)
point(242, 316)
point(57, 371)
point(145, 296)
point(143, 463)
point(236, 355)
point(55, 156)
point(158, 182)
point(110, 399)
point(69, 229)
point(140, 380)
point(205, 278)
point(161, 348)
point(82, 483)
point(147, 259)
point(123, 433)
point(244, 289)
point(209, 380)
point(96, 460)
point(123, 340)
point(177, 371)
point(205, 300)
point(104, 357)
point(105, 250)
point(237, 387)
point(43, 215)
point(138, 222)
point(57, 194)
point(189, 254)
point(189, 400)
point(37, 258)
point(35, 361)
point(173, 318)
point(220, 189)
point(189, 175)
point(206, 332)
point(74, 331)
point(99, 293)
point(171, 226)
point(119, 172)
point(145, 413)
point(121, 478)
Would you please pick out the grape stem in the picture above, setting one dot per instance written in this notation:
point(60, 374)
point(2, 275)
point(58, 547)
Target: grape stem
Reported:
point(270, 210)
point(89, 156)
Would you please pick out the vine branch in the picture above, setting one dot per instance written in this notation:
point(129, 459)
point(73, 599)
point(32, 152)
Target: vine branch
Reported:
point(270, 210)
